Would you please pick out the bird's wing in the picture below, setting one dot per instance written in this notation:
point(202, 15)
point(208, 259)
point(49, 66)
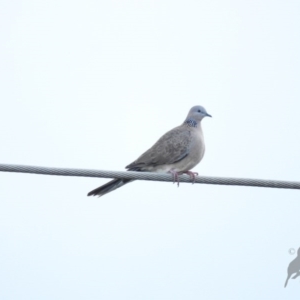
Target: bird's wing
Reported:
point(170, 148)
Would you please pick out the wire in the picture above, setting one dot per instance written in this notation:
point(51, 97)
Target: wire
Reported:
point(148, 176)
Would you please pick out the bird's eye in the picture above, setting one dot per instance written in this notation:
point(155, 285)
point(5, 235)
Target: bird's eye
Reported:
point(199, 110)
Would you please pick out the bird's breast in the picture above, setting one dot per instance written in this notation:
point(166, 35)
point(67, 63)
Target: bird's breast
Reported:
point(197, 149)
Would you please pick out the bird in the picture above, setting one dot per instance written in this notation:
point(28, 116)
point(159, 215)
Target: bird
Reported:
point(176, 152)
point(294, 267)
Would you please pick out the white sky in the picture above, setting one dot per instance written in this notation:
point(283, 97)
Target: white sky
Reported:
point(93, 84)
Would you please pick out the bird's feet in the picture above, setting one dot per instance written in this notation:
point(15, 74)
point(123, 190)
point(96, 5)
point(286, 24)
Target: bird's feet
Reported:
point(175, 176)
point(192, 175)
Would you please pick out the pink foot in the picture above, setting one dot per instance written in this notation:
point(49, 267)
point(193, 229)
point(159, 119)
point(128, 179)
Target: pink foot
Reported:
point(192, 175)
point(175, 176)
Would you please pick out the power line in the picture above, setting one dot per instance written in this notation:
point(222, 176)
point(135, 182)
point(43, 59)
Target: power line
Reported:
point(148, 176)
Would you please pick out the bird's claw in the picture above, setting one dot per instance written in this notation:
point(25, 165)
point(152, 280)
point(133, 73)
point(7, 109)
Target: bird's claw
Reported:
point(192, 175)
point(175, 176)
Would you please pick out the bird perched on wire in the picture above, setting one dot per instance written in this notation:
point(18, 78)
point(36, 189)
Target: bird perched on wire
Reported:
point(177, 152)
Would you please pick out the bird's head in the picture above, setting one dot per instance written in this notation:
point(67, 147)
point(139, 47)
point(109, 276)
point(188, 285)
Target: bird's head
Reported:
point(197, 113)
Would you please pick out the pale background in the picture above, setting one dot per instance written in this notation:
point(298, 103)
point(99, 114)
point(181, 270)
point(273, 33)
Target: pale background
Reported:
point(93, 84)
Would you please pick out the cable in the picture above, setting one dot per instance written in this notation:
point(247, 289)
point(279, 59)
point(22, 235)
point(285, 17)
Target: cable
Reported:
point(148, 176)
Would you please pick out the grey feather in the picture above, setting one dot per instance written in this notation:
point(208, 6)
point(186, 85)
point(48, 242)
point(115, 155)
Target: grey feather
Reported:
point(178, 150)
point(169, 149)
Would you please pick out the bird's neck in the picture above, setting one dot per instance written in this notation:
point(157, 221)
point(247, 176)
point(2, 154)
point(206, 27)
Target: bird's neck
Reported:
point(191, 123)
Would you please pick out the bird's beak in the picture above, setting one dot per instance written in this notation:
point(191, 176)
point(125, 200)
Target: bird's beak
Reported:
point(208, 115)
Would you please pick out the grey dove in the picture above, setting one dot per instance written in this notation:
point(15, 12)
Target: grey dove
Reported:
point(177, 152)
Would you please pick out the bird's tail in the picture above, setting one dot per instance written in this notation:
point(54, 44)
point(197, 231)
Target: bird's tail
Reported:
point(109, 187)
point(287, 280)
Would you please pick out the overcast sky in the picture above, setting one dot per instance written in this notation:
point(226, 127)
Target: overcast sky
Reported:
point(93, 84)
